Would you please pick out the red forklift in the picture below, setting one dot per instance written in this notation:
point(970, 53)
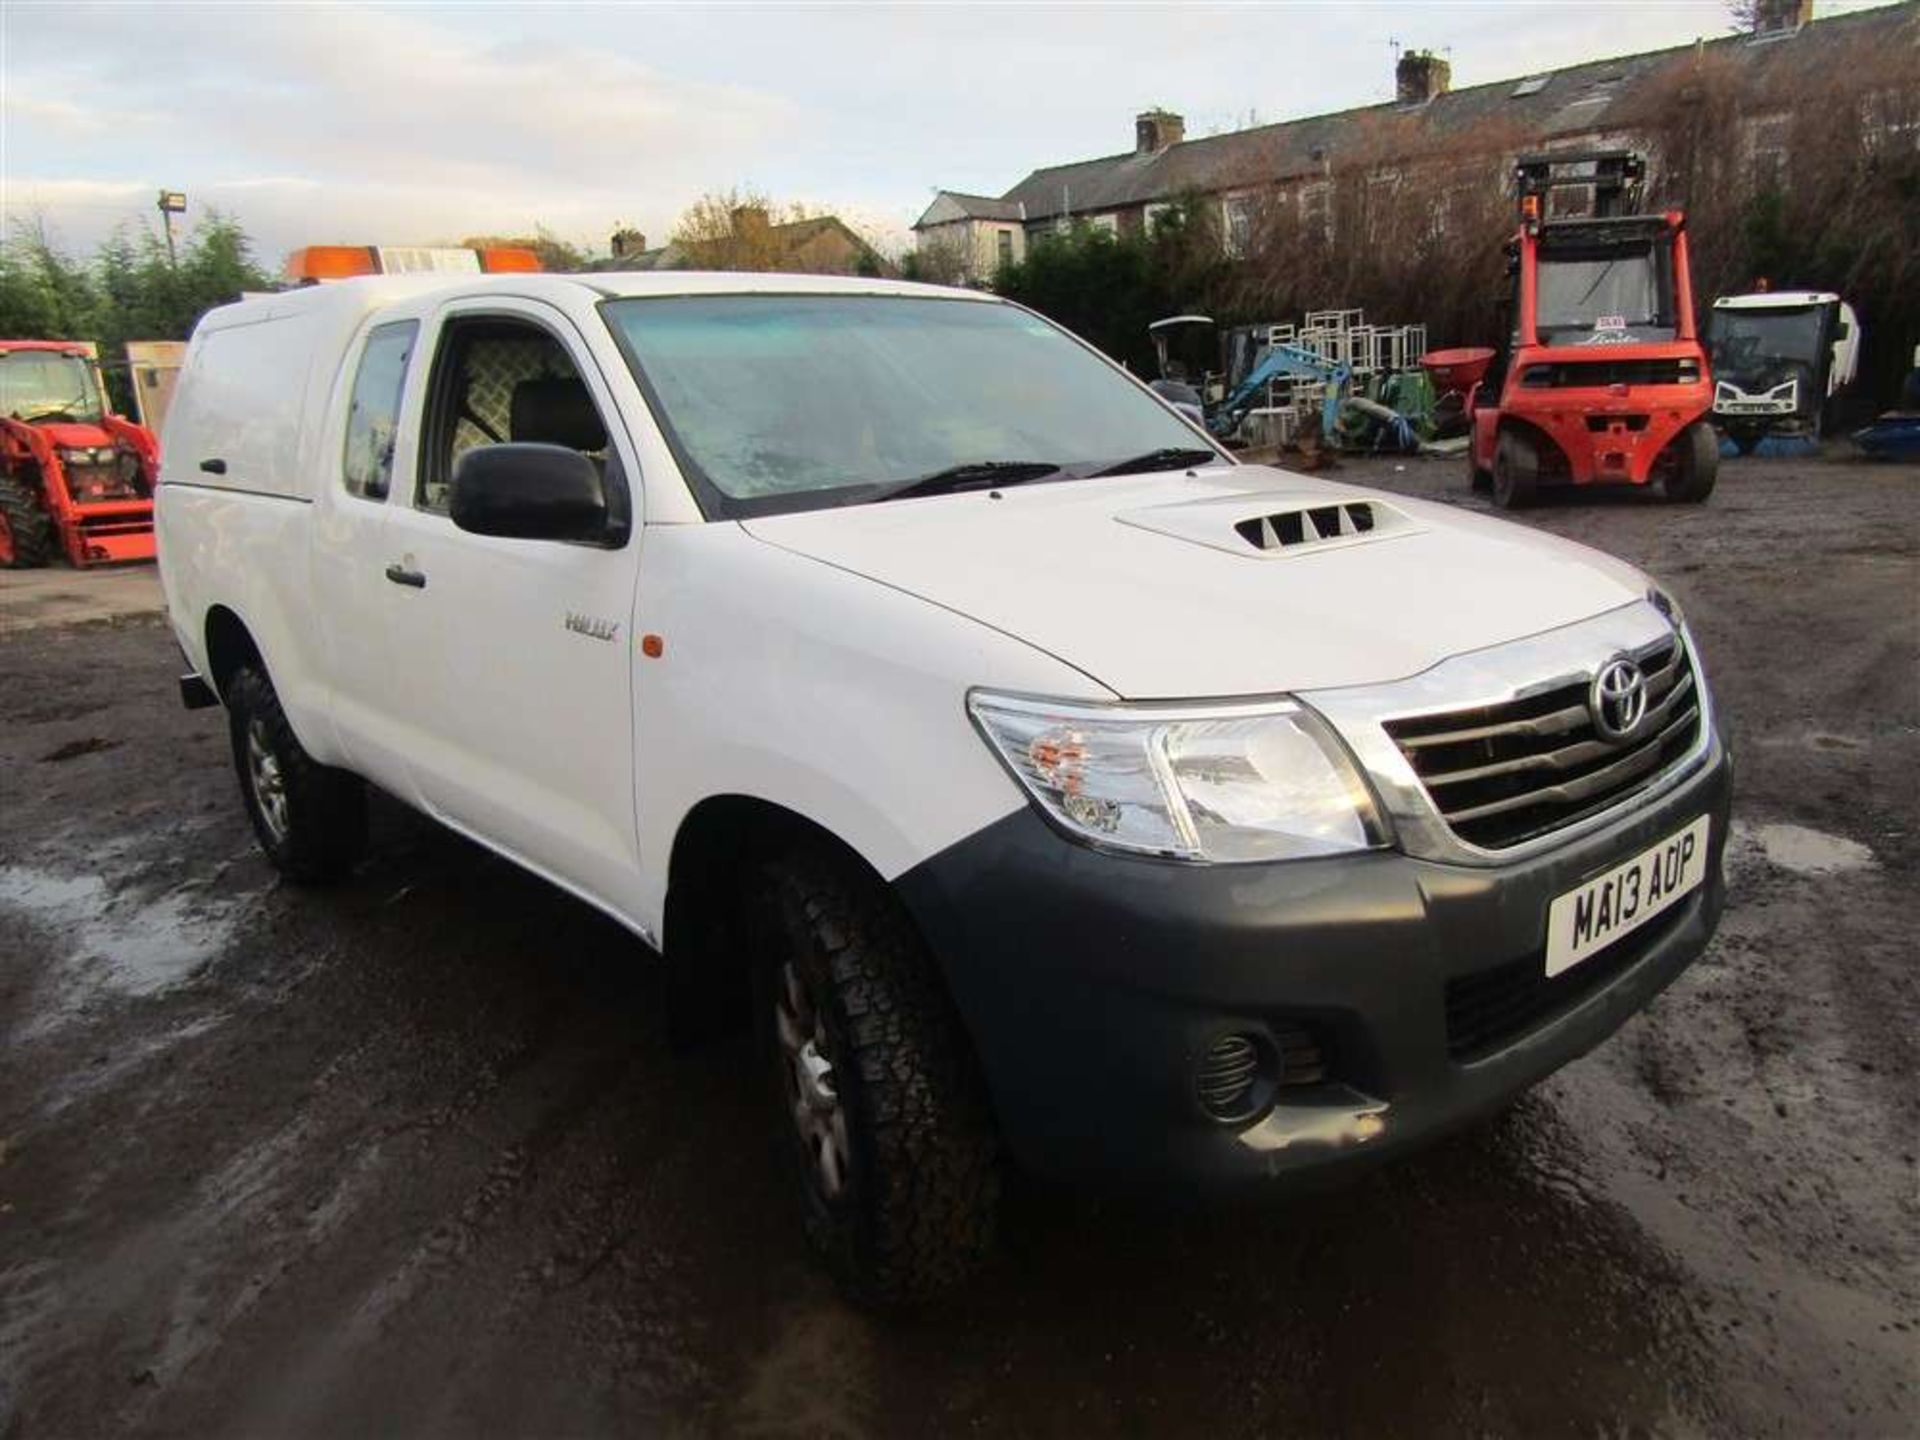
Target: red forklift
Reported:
point(75, 479)
point(1601, 379)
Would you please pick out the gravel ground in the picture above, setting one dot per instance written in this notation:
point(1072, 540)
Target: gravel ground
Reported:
point(416, 1155)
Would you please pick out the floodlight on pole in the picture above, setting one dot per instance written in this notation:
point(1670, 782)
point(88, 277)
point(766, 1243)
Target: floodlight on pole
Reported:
point(172, 203)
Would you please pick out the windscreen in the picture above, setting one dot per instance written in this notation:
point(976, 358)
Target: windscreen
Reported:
point(1600, 295)
point(48, 385)
point(1757, 343)
point(788, 402)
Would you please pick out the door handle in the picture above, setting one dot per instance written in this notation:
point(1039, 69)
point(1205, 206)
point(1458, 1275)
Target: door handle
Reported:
point(215, 466)
point(401, 576)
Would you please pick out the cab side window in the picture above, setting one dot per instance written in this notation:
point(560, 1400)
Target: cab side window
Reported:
point(498, 381)
point(373, 414)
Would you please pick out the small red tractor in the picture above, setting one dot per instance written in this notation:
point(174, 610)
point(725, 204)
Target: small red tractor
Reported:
point(74, 477)
point(1600, 377)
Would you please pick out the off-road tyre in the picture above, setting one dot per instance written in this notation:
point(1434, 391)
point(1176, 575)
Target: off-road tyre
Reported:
point(26, 531)
point(321, 827)
point(1516, 471)
point(919, 1208)
point(1696, 464)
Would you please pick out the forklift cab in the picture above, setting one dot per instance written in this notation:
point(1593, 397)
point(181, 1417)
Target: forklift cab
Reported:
point(1598, 376)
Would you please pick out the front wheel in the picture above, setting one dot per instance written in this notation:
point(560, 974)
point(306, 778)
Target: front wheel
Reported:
point(1516, 471)
point(26, 534)
point(885, 1117)
point(1696, 464)
point(309, 818)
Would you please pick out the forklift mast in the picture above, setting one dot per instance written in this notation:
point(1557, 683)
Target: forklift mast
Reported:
point(1616, 178)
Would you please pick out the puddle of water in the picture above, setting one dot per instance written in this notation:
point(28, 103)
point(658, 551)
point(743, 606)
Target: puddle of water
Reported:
point(1809, 852)
point(116, 942)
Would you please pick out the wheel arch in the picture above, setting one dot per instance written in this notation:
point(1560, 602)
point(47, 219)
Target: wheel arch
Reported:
point(230, 647)
point(1536, 435)
point(720, 840)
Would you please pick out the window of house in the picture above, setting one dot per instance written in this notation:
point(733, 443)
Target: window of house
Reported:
point(1382, 186)
point(1005, 242)
point(498, 380)
point(1316, 208)
point(1768, 139)
point(373, 412)
point(1236, 216)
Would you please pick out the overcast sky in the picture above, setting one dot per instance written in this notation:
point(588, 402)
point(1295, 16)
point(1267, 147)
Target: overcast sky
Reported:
point(420, 122)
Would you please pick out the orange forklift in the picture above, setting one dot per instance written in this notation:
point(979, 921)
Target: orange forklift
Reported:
point(1601, 378)
point(75, 479)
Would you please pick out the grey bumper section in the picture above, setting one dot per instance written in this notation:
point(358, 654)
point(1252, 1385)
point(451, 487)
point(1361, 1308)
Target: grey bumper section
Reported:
point(1093, 984)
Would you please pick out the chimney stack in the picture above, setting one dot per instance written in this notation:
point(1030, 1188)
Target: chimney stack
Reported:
point(750, 220)
point(1420, 76)
point(1778, 17)
point(1155, 130)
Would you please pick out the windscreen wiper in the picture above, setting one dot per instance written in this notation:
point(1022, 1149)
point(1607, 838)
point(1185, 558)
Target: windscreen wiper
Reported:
point(976, 472)
point(1165, 459)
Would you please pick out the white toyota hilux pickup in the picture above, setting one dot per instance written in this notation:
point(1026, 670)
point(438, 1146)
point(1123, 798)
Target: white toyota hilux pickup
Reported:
point(1049, 788)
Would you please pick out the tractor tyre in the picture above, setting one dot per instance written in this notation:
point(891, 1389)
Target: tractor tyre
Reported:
point(310, 819)
point(1516, 471)
point(889, 1134)
point(1696, 464)
point(26, 531)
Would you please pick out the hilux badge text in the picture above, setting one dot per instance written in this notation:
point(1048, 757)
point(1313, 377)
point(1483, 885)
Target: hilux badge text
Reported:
point(592, 625)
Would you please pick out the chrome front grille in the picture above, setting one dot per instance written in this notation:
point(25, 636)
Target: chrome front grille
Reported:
point(1503, 774)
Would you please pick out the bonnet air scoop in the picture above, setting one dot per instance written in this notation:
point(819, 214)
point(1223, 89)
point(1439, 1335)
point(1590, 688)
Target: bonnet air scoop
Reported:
point(1267, 526)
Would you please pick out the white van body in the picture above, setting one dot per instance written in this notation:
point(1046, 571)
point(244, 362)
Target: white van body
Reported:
point(1781, 392)
point(599, 714)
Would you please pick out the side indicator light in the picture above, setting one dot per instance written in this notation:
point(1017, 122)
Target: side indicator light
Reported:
point(652, 646)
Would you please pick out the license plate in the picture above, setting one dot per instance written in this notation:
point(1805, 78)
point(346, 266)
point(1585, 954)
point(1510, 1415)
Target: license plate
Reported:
point(1584, 921)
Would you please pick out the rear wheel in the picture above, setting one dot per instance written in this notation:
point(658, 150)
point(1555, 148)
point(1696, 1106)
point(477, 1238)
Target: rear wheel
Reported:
point(310, 818)
point(886, 1120)
point(26, 532)
point(1696, 464)
point(1516, 471)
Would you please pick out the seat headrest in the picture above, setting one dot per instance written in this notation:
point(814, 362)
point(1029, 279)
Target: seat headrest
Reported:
point(556, 411)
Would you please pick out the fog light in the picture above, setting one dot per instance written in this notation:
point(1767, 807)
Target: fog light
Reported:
point(1232, 1077)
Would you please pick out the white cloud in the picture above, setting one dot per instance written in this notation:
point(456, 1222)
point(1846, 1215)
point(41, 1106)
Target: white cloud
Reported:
point(367, 124)
point(350, 123)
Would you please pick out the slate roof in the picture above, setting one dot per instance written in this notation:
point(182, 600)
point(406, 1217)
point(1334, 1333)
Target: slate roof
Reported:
point(790, 234)
point(985, 207)
point(1600, 95)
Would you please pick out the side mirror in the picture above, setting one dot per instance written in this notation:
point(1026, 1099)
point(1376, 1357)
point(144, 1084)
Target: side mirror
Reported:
point(525, 491)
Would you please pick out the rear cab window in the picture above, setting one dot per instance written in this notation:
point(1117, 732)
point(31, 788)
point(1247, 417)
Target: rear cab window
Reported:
point(373, 414)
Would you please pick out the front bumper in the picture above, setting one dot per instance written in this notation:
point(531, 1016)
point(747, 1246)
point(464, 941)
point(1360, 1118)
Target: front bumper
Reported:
point(1092, 983)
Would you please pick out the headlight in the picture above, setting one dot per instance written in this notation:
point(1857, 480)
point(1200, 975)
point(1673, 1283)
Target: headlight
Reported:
point(1223, 784)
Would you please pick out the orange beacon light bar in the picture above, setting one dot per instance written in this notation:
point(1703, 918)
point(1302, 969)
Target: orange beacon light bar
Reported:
point(314, 263)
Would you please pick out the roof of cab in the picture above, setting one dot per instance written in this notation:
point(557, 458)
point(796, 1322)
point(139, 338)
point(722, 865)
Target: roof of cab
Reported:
point(1775, 299)
point(370, 292)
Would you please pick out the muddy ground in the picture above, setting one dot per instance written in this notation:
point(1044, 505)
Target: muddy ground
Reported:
point(416, 1155)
